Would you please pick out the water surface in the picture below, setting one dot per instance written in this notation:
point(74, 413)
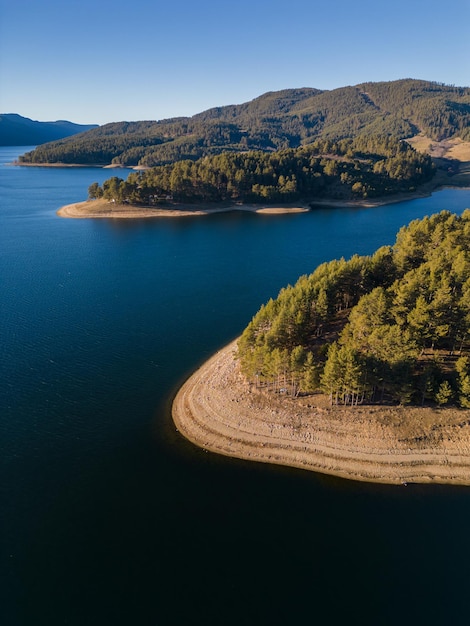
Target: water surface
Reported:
point(108, 516)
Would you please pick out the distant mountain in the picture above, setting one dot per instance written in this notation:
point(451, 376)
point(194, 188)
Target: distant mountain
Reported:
point(274, 121)
point(16, 130)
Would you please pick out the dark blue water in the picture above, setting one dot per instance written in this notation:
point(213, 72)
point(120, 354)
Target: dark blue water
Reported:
point(108, 517)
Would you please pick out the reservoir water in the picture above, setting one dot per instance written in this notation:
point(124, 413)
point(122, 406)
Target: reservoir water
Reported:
point(109, 517)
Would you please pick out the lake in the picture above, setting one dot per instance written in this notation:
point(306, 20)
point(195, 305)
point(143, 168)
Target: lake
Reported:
point(108, 516)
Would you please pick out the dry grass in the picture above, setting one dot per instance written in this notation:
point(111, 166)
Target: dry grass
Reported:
point(446, 149)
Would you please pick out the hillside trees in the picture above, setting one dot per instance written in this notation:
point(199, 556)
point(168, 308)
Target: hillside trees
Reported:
point(275, 121)
point(394, 326)
point(371, 167)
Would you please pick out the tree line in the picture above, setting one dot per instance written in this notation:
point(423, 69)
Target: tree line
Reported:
point(390, 327)
point(366, 167)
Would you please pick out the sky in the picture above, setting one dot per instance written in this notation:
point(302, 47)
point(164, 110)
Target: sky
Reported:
point(100, 61)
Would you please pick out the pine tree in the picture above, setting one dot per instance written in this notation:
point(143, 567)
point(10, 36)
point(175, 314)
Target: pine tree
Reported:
point(444, 393)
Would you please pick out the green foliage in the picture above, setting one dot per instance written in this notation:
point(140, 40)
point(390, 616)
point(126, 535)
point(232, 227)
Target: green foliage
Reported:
point(95, 191)
point(274, 121)
point(444, 393)
point(344, 375)
point(463, 370)
point(394, 326)
point(321, 169)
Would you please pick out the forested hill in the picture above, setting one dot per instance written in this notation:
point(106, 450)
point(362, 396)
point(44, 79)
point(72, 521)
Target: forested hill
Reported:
point(365, 167)
point(16, 130)
point(391, 327)
point(274, 121)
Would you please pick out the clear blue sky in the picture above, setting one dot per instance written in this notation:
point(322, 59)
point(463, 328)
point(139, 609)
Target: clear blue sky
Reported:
point(98, 61)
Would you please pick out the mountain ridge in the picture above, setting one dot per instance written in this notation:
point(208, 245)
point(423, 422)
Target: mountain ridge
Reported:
point(16, 130)
point(274, 121)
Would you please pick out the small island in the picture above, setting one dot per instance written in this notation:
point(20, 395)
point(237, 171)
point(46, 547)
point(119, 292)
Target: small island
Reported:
point(361, 370)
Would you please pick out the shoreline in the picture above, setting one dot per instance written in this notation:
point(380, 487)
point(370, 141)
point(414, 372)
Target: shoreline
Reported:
point(96, 209)
point(104, 209)
point(217, 410)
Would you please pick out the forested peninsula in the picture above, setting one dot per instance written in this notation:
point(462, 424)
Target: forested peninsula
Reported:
point(373, 169)
point(365, 144)
point(361, 369)
point(365, 167)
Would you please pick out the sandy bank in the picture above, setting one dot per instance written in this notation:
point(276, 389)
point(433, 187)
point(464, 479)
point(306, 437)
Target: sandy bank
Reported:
point(218, 411)
point(105, 209)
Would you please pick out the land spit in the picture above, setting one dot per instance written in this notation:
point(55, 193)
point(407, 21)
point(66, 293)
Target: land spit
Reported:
point(106, 209)
point(218, 410)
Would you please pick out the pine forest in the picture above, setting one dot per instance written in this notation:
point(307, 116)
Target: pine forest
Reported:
point(393, 327)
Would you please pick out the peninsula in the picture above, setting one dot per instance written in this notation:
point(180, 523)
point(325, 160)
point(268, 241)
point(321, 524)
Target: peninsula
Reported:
point(357, 172)
point(361, 369)
point(218, 411)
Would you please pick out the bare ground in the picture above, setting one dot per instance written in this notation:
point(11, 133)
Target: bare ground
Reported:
point(218, 410)
point(106, 209)
point(454, 148)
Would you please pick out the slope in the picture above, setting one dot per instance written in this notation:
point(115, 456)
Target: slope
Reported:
point(16, 130)
point(275, 121)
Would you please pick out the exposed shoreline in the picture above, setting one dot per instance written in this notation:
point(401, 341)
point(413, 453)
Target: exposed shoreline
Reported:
point(96, 209)
point(218, 411)
point(105, 209)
